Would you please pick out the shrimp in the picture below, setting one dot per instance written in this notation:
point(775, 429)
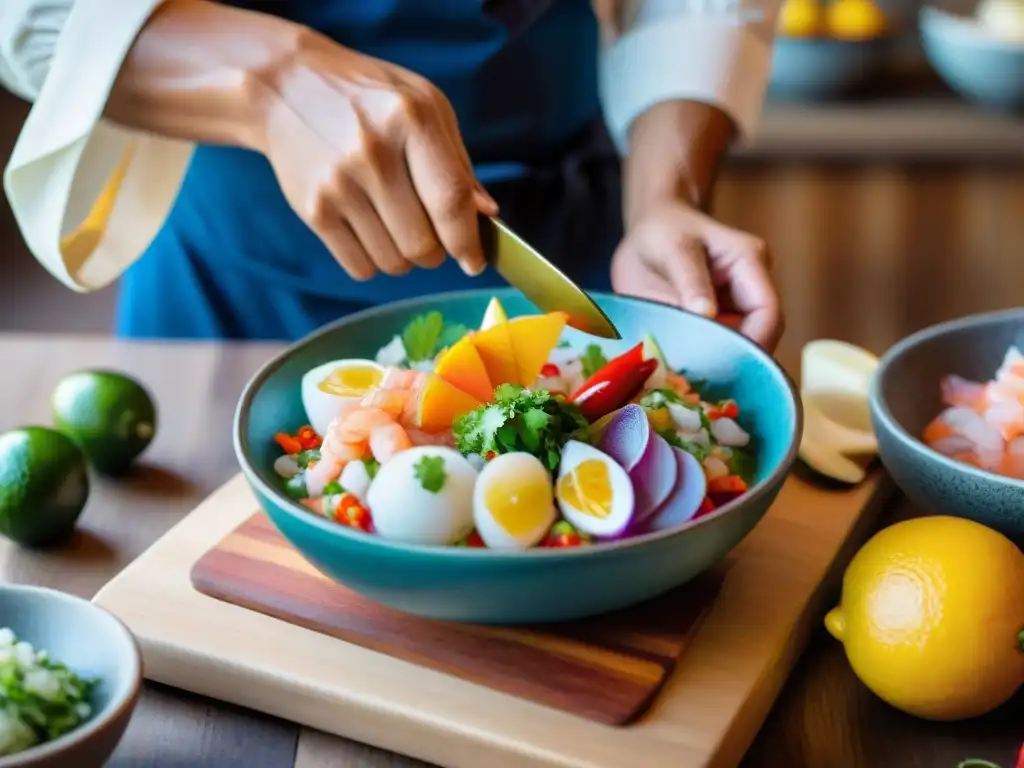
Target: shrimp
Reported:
point(419, 437)
point(358, 424)
point(983, 424)
point(391, 401)
point(326, 470)
point(387, 440)
point(364, 430)
point(401, 379)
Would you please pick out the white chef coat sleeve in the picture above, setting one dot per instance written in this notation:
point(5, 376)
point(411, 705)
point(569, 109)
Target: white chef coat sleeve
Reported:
point(716, 52)
point(87, 195)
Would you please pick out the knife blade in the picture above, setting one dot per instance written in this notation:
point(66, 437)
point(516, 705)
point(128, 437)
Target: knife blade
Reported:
point(541, 281)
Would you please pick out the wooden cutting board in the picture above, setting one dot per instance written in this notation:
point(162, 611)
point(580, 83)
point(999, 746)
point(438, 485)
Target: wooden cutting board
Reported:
point(607, 669)
point(709, 710)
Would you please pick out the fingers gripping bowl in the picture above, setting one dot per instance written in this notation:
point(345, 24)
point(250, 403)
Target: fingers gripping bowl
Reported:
point(431, 563)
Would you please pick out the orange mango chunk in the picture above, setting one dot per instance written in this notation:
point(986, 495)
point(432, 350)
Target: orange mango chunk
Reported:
point(533, 338)
point(439, 403)
point(462, 366)
point(495, 348)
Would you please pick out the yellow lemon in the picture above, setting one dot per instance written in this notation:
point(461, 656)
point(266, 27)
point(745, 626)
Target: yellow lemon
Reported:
point(932, 617)
point(855, 20)
point(801, 18)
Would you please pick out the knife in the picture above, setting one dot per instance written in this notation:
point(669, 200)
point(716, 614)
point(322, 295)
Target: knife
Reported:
point(541, 281)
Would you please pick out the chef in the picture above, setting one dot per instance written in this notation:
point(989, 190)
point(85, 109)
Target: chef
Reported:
point(253, 170)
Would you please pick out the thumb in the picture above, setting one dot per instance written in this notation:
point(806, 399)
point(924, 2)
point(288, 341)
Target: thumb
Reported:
point(686, 268)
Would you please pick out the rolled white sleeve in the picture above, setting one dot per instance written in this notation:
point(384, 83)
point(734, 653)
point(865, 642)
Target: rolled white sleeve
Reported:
point(88, 196)
point(717, 52)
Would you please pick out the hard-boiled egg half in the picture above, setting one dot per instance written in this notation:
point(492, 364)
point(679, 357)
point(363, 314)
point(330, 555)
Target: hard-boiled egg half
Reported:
point(593, 492)
point(513, 504)
point(424, 495)
point(328, 387)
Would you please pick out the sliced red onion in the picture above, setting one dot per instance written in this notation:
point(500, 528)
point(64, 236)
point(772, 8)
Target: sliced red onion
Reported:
point(690, 489)
point(627, 436)
point(645, 455)
point(654, 478)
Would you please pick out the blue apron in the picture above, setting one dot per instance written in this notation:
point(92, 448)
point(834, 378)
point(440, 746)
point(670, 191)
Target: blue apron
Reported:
point(233, 260)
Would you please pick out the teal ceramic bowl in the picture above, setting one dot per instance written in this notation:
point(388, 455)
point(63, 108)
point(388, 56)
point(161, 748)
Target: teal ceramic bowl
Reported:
point(94, 644)
point(817, 69)
point(539, 585)
point(905, 396)
point(979, 67)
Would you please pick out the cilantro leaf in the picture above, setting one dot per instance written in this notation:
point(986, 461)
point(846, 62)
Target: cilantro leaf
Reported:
point(451, 333)
point(593, 360)
point(743, 463)
point(430, 472)
point(658, 398)
point(372, 465)
point(421, 335)
point(520, 419)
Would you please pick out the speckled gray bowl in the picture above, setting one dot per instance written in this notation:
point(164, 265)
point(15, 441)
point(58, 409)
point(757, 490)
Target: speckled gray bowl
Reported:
point(905, 397)
point(94, 644)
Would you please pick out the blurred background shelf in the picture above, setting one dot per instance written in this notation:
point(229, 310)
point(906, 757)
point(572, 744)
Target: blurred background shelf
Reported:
point(912, 118)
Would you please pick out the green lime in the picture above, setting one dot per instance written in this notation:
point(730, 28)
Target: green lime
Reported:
point(44, 484)
point(110, 415)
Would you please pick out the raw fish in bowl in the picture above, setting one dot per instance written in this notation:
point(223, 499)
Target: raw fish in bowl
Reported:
point(487, 463)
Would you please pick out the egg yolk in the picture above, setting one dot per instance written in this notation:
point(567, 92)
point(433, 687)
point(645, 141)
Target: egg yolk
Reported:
point(519, 505)
point(351, 382)
point(588, 488)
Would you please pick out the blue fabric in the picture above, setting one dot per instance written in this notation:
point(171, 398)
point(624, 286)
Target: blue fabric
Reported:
point(233, 260)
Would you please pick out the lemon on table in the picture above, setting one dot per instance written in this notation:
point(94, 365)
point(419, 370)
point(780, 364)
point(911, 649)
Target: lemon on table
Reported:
point(932, 617)
point(110, 415)
point(855, 20)
point(44, 485)
point(801, 18)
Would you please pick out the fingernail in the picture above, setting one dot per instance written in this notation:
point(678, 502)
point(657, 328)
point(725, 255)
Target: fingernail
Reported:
point(704, 307)
point(485, 201)
point(472, 268)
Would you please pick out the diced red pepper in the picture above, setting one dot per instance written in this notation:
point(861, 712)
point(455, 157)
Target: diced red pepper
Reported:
point(288, 443)
point(474, 540)
point(489, 455)
point(727, 409)
point(727, 484)
point(549, 369)
point(707, 506)
point(615, 384)
point(353, 514)
point(308, 437)
point(563, 541)
point(563, 535)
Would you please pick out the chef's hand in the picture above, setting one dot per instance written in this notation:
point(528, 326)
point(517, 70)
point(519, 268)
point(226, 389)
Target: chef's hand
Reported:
point(369, 155)
point(677, 255)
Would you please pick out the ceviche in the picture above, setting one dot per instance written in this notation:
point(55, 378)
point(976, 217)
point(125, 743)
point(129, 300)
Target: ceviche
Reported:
point(507, 437)
point(983, 422)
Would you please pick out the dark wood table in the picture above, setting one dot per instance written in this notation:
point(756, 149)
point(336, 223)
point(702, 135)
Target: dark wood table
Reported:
point(824, 718)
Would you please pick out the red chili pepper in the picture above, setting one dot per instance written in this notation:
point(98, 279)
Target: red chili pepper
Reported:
point(353, 514)
point(615, 384)
point(727, 484)
point(308, 437)
point(549, 369)
point(288, 443)
point(727, 409)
